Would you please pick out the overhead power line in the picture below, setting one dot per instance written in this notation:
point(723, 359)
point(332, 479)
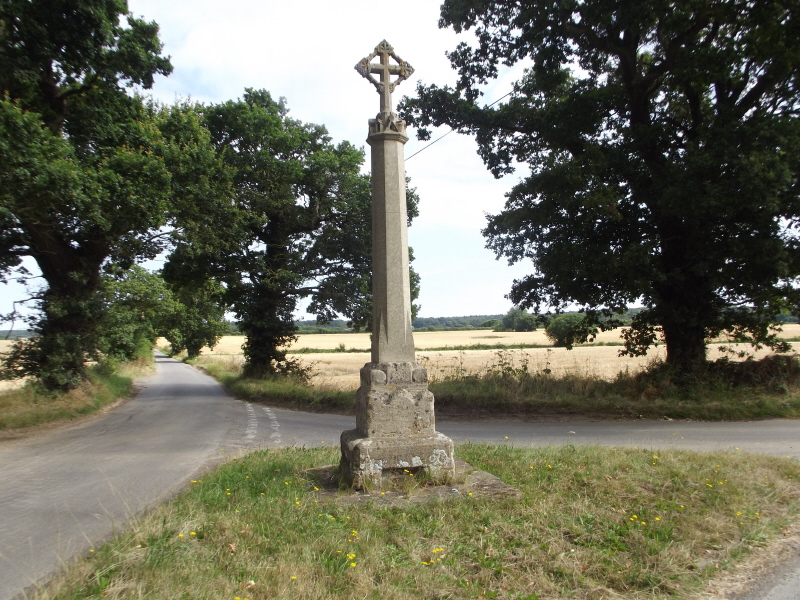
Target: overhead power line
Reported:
point(452, 130)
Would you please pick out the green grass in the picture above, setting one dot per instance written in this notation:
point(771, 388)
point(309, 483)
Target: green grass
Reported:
point(32, 405)
point(591, 523)
point(510, 385)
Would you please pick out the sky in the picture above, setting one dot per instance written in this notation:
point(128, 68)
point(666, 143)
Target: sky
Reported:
point(305, 51)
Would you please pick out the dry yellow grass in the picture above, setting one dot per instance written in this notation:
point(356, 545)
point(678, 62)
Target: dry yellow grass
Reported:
point(5, 346)
point(340, 370)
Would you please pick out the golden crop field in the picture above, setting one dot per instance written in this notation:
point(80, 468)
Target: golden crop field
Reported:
point(341, 369)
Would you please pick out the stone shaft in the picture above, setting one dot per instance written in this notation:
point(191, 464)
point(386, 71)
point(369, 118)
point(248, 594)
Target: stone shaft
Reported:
point(391, 288)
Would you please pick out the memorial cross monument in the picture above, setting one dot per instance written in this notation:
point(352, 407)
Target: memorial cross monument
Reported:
point(395, 425)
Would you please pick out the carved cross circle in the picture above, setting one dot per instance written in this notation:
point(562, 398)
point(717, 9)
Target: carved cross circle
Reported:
point(385, 69)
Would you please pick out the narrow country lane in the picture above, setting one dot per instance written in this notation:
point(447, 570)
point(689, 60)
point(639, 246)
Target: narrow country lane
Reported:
point(63, 491)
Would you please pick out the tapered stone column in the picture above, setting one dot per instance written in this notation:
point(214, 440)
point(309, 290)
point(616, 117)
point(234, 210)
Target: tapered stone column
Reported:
point(395, 425)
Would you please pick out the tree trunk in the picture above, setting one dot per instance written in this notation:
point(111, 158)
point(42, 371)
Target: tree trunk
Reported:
point(68, 329)
point(686, 347)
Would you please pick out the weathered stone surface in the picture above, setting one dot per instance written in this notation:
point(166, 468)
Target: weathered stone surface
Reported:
point(367, 461)
point(391, 286)
point(395, 427)
point(391, 403)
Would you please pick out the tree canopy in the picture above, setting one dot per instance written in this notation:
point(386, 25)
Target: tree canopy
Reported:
point(299, 227)
point(663, 143)
point(89, 174)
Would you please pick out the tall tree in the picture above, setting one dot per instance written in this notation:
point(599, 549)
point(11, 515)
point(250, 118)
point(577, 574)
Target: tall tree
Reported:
point(87, 175)
point(301, 230)
point(663, 143)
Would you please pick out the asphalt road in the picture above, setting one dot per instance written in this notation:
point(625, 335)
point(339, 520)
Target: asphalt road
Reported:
point(64, 490)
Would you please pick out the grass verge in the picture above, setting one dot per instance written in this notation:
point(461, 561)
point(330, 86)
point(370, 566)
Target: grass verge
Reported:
point(726, 390)
point(280, 390)
point(592, 524)
point(510, 385)
point(32, 405)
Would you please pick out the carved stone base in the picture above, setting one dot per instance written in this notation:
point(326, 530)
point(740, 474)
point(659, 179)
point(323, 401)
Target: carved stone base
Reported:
point(395, 427)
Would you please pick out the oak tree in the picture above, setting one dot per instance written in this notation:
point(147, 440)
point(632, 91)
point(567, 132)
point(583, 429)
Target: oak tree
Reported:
point(89, 174)
point(663, 144)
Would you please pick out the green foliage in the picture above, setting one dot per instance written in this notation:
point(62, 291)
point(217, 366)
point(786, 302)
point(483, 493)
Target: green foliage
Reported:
point(134, 302)
point(334, 326)
point(664, 151)
point(88, 174)
point(518, 319)
point(197, 320)
point(298, 226)
point(569, 329)
point(140, 306)
point(457, 323)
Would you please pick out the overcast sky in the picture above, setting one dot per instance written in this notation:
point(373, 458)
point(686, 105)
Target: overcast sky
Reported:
point(305, 51)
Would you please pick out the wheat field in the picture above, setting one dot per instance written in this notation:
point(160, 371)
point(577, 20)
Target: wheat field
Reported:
point(340, 369)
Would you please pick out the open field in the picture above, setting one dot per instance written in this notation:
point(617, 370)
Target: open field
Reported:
point(340, 370)
point(5, 346)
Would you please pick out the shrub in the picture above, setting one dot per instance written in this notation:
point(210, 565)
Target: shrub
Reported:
point(568, 330)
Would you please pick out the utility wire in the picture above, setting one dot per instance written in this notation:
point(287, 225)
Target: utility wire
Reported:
point(452, 130)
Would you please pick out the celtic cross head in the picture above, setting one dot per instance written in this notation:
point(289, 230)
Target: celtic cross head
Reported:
point(385, 70)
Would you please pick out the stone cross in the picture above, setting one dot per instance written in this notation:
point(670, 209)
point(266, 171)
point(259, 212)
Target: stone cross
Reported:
point(385, 69)
point(395, 426)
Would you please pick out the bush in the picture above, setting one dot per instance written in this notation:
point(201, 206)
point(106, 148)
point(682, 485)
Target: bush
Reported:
point(518, 319)
point(567, 330)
